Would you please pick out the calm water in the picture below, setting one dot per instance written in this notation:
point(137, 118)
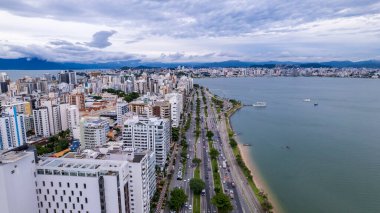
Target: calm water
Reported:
point(333, 164)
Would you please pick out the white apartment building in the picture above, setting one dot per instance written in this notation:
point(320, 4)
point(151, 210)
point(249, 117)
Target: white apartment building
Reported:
point(73, 121)
point(64, 117)
point(176, 103)
point(52, 115)
point(41, 122)
point(12, 129)
point(142, 179)
point(150, 133)
point(108, 179)
point(121, 109)
point(17, 182)
point(93, 132)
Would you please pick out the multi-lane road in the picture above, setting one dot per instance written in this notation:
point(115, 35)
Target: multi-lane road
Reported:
point(233, 180)
point(247, 199)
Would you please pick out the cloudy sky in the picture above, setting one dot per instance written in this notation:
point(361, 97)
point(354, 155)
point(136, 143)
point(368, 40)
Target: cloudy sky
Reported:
point(190, 30)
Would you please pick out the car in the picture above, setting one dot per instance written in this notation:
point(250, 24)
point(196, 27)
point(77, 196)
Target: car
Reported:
point(186, 204)
point(190, 207)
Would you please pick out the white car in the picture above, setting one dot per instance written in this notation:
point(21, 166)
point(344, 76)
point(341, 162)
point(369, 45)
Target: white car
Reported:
point(190, 207)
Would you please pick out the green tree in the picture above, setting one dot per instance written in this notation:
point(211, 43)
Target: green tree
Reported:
point(222, 202)
point(209, 134)
point(197, 185)
point(96, 97)
point(233, 143)
point(197, 161)
point(177, 199)
point(214, 153)
point(175, 133)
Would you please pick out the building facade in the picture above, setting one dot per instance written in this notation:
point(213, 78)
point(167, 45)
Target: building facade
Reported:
point(148, 134)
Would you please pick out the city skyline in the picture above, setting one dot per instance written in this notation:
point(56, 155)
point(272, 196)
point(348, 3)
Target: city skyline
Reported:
point(189, 31)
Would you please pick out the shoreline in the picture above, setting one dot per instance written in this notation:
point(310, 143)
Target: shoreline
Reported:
point(256, 176)
point(253, 168)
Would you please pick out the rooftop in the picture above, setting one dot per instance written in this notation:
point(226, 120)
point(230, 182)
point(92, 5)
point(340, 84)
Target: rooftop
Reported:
point(12, 156)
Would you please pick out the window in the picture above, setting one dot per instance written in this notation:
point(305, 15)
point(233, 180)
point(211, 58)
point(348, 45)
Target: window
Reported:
point(65, 205)
point(85, 200)
point(84, 185)
point(60, 184)
point(43, 183)
point(77, 199)
point(68, 185)
point(51, 184)
point(80, 193)
point(76, 185)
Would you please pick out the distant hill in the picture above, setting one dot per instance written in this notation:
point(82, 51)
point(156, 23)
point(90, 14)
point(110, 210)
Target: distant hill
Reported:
point(39, 64)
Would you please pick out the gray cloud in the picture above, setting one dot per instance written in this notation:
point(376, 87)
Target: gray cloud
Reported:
point(134, 40)
point(100, 39)
point(64, 52)
point(190, 18)
point(274, 29)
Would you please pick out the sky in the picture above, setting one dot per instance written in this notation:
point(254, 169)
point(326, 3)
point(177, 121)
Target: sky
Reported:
point(190, 30)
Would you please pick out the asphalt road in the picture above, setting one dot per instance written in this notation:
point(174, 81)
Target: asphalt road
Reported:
point(189, 170)
point(245, 195)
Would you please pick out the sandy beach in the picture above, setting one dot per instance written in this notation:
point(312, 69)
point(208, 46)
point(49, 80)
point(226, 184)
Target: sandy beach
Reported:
point(260, 183)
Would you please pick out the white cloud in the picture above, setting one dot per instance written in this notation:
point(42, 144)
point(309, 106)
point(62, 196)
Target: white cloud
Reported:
point(190, 30)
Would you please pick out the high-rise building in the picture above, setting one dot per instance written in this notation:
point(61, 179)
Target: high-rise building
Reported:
point(41, 122)
point(148, 134)
point(176, 103)
point(121, 109)
point(108, 179)
point(68, 77)
point(93, 132)
point(73, 121)
point(17, 182)
point(63, 108)
point(4, 77)
point(78, 100)
point(144, 186)
point(160, 109)
point(12, 128)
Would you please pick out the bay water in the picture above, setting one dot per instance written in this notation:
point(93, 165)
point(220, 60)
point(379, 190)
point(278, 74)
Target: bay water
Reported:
point(323, 158)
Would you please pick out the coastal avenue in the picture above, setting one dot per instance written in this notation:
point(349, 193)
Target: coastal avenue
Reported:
point(244, 198)
point(245, 194)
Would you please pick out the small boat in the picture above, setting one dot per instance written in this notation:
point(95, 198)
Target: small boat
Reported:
point(287, 147)
point(259, 104)
point(315, 104)
point(246, 144)
point(307, 100)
